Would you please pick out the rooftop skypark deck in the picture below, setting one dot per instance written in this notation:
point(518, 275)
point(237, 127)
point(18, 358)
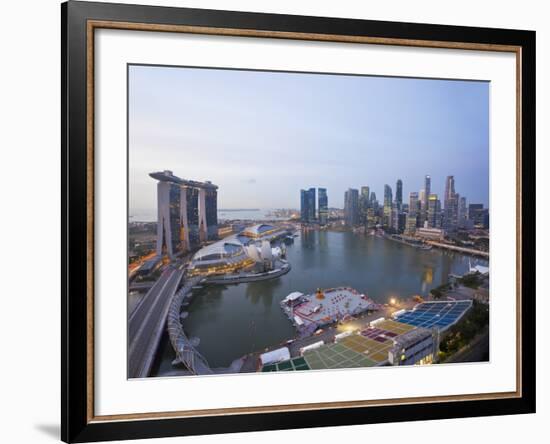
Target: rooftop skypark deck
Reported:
point(168, 176)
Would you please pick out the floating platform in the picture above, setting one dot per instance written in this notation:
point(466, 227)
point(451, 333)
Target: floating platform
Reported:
point(308, 312)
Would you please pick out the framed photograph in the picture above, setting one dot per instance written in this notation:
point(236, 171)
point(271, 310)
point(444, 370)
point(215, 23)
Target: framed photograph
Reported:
point(275, 221)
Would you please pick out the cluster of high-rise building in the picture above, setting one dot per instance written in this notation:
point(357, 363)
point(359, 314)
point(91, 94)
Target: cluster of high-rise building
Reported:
point(187, 213)
point(311, 212)
point(424, 209)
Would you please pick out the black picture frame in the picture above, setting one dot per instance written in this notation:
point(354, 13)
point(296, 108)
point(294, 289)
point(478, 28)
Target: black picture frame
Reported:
point(76, 423)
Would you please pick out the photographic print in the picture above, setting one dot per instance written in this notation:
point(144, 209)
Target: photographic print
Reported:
point(283, 221)
point(266, 213)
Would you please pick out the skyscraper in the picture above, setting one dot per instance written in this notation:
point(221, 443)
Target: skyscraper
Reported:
point(427, 189)
point(211, 202)
point(364, 204)
point(374, 203)
point(202, 216)
point(169, 219)
point(449, 188)
point(307, 205)
point(462, 212)
point(399, 194)
point(351, 207)
point(401, 222)
point(323, 205)
point(387, 206)
point(303, 205)
point(424, 197)
point(478, 215)
point(193, 221)
point(434, 212)
point(397, 220)
point(388, 195)
point(450, 215)
point(187, 213)
point(311, 205)
point(414, 203)
point(371, 218)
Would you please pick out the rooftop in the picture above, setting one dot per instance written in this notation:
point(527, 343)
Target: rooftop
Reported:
point(440, 314)
point(337, 355)
point(168, 176)
point(225, 248)
point(289, 365)
point(367, 348)
point(259, 230)
point(412, 337)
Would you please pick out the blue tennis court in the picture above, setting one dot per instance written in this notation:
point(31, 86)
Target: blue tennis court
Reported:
point(435, 314)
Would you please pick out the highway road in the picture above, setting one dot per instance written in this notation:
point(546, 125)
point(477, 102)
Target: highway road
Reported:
point(140, 286)
point(147, 321)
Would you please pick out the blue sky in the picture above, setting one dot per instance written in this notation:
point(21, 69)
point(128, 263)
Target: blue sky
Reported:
point(262, 136)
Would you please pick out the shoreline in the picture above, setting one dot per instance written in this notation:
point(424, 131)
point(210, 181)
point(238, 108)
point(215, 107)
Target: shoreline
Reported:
point(256, 277)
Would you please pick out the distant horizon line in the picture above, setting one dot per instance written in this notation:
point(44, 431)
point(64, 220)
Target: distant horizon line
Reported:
point(142, 210)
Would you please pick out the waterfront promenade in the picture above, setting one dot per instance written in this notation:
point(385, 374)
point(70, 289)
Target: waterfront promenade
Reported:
point(473, 252)
point(247, 277)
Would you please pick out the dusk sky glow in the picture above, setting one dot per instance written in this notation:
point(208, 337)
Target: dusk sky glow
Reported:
point(263, 136)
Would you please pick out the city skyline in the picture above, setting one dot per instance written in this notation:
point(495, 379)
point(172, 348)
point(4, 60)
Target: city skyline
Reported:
point(261, 136)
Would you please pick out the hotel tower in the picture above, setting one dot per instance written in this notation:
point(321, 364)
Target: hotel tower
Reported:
point(186, 213)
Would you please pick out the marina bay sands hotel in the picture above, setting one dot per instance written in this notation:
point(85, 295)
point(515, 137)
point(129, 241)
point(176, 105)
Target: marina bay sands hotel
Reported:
point(187, 213)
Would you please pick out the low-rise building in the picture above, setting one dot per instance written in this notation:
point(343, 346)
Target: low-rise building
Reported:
point(238, 252)
point(220, 258)
point(263, 231)
point(437, 234)
point(418, 346)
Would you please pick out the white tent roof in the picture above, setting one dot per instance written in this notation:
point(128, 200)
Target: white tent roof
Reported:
point(481, 269)
point(294, 295)
point(281, 354)
point(312, 346)
point(266, 251)
point(253, 252)
point(342, 335)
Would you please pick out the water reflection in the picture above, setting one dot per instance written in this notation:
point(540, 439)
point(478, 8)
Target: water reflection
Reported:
point(262, 291)
point(237, 319)
point(445, 269)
